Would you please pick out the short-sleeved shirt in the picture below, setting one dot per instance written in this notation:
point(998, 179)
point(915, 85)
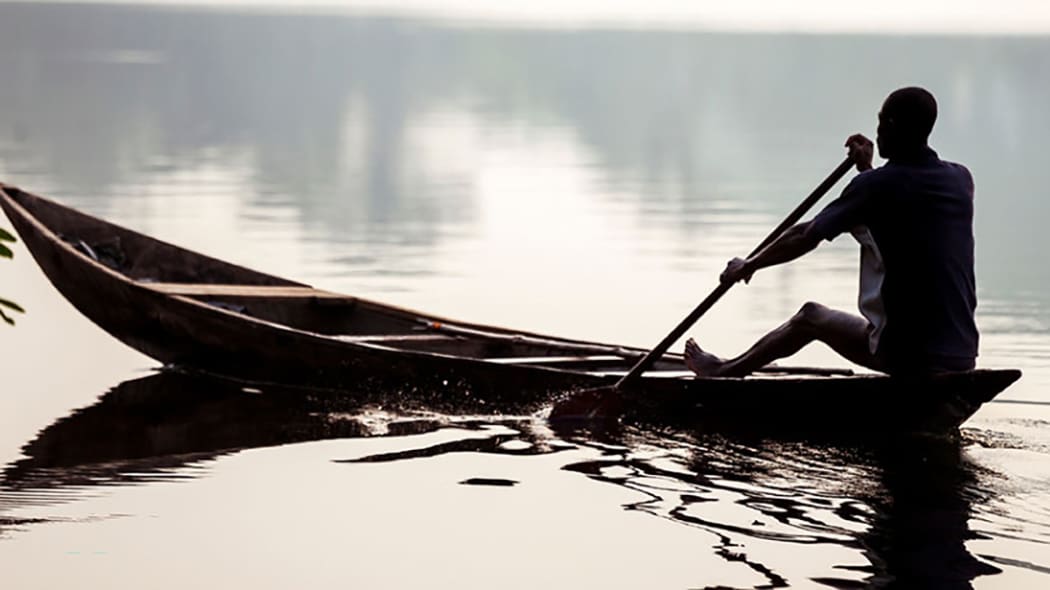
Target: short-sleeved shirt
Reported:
point(914, 220)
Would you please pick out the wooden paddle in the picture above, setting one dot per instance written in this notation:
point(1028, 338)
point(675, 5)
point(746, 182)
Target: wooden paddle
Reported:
point(590, 404)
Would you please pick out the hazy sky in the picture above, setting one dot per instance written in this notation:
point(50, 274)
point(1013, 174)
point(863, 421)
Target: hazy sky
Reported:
point(955, 16)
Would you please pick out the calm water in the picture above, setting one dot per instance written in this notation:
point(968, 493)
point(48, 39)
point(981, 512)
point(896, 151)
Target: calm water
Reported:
point(585, 183)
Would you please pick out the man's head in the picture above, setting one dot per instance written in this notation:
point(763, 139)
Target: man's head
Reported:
point(905, 121)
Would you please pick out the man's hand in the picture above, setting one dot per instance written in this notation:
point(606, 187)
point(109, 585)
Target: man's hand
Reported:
point(737, 270)
point(860, 151)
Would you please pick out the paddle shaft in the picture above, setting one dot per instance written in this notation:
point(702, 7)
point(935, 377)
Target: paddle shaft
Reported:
point(650, 359)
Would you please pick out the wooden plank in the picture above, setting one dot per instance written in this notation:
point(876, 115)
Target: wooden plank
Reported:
point(396, 338)
point(620, 352)
point(819, 371)
point(566, 345)
point(211, 290)
point(554, 360)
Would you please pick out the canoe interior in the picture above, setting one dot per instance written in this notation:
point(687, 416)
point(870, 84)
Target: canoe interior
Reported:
point(137, 256)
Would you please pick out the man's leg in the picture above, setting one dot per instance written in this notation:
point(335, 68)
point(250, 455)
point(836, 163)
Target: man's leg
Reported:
point(845, 333)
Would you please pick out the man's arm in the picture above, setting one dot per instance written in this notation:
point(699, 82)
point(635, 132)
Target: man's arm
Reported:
point(793, 243)
point(802, 238)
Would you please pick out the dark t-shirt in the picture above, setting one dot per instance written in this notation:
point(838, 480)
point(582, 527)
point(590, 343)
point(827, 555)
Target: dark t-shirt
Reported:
point(919, 213)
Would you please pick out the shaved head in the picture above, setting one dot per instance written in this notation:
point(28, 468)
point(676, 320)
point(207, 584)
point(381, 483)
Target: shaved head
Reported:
point(906, 120)
point(913, 111)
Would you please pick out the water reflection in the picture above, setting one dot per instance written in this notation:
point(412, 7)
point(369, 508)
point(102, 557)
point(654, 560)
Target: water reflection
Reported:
point(906, 509)
point(885, 516)
point(840, 514)
point(152, 428)
point(924, 521)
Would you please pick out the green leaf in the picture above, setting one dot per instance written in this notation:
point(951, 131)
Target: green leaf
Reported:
point(5, 236)
point(12, 305)
point(5, 252)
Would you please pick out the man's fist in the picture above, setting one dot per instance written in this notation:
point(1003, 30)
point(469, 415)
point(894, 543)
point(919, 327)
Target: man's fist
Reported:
point(737, 270)
point(860, 151)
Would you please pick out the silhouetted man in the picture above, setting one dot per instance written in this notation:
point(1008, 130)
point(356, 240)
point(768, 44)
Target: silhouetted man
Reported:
point(913, 219)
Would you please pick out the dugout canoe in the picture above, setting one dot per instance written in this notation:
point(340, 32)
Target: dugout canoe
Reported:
point(193, 311)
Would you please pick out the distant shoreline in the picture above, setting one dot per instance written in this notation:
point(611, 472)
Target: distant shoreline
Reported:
point(820, 17)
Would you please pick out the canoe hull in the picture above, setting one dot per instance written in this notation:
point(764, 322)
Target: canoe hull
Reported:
point(185, 332)
point(200, 334)
point(862, 404)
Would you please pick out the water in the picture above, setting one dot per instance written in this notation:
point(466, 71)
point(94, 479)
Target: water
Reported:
point(587, 183)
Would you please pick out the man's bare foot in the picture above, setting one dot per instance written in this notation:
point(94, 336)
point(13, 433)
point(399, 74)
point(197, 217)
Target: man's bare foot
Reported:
point(700, 362)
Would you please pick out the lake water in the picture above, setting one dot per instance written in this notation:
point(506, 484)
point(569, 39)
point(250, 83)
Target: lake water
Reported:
point(587, 183)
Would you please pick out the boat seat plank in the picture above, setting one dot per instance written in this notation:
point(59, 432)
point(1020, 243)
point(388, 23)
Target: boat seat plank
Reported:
point(555, 360)
point(395, 338)
point(581, 348)
point(212, 290)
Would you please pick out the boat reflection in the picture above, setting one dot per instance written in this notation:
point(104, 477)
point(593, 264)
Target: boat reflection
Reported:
point(163, 425)
point(844, 515)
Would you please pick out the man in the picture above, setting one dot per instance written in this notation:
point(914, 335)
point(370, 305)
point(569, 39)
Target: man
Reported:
point(913, 219)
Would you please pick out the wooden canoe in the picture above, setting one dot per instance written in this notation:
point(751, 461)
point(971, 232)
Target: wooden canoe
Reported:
point(188, 310)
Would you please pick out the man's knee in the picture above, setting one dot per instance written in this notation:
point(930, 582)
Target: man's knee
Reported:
point(810, 315)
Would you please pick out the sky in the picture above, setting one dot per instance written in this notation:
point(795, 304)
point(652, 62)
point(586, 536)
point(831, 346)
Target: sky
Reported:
point(904, 16)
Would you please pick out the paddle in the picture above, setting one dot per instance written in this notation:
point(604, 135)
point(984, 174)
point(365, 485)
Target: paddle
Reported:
point(592, 403)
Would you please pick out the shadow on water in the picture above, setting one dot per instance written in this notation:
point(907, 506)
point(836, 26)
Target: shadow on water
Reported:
point(902, 510)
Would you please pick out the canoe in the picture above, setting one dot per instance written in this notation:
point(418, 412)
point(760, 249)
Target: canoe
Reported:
point(193, 311)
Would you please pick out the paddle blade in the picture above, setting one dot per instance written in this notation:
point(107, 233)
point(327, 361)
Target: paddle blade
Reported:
point(587, 405)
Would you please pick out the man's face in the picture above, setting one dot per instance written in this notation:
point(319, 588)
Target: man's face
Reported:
point(884, 138)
